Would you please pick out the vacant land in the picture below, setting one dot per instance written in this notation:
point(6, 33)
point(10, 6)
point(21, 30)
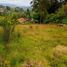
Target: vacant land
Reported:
point(35, 46)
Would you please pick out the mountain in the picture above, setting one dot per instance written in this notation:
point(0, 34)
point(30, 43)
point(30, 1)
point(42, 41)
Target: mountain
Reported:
point(12, 5)
point(7, 4)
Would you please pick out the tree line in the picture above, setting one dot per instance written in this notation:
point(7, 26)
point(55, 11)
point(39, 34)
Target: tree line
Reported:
point(43, 8)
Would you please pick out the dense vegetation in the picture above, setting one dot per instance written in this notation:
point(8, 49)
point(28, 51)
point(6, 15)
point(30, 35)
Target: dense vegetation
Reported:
point(50, 10)
point(39, 39)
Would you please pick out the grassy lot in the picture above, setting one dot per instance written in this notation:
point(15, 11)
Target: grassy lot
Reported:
point(35, 46)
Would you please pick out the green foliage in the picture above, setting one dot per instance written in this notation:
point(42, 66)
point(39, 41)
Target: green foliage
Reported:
point(36, 17)
point(8, 24)
point(56, 17)
point(28, 14)
point(53, 18)
point(65, 20)
point(40, 9)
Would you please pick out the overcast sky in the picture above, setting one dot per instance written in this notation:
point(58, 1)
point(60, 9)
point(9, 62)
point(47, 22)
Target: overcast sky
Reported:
point(17, 2)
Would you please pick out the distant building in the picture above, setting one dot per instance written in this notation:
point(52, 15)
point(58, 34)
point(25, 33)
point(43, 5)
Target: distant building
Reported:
point(23, 20)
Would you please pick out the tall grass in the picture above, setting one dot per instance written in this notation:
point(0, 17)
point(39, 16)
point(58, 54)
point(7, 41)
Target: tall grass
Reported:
point(33, 46)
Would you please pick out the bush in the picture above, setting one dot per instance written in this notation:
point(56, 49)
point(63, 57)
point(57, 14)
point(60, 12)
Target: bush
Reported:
point(65, 20)
point(36, 17)
point(8, 24)
point(53, 18)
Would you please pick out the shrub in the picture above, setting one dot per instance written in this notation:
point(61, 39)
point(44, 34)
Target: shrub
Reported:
point(36, 17)
point(53, 18)
point(65, 20)
point(8, 25)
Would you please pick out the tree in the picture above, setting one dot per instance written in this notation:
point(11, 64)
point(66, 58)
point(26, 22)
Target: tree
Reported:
point(28, 13)
point(65, 0)
point(54, 5)
point(40, 7)
point(65, 9)
point(8, 8)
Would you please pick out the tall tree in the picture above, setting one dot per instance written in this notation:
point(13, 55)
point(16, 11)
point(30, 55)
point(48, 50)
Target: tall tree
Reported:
point(46, 6)
point(65, 0)
point(54, 5)
point(40, 6)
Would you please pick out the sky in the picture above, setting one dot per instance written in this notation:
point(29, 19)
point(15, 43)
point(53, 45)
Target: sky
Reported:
point(17, 2)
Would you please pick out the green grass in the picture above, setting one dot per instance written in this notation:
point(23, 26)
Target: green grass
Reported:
point(34, 45)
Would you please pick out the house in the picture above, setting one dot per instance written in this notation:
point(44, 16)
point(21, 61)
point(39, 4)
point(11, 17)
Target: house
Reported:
point(23, 20)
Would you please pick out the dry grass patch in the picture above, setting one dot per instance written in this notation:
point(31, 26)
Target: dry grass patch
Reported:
point(60, 50)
